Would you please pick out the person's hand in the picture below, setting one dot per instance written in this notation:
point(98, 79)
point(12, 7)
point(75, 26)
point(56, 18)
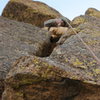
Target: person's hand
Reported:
point(59, 24)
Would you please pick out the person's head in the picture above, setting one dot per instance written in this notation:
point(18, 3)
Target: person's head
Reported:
point(60, 22)
point(66, 21)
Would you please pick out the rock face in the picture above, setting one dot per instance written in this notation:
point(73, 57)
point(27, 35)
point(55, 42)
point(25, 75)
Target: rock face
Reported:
point(78, 20)
point(34, 78)
point(83, 19)
point(71, 72)
point(29, 11)
point(76, 58)
point(19, 39)
point(93, 12)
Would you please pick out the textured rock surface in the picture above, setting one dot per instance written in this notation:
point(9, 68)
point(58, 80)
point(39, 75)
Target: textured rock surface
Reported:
point(93, 12)
point(34, 78)
point(20, 39)
point(78, 20)
point(69, 73)
point(83, 23)
point(29, 11)
point(76, 58)
point(83, 19)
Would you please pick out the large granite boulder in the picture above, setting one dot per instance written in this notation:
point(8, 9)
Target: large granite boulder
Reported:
point(73, 54)
point(34, 78)
point(19, 39)
point(71, 72)
point(78, 61)
point(28, 11)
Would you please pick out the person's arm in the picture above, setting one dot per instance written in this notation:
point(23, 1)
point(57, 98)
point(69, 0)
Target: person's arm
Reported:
point(50, 23)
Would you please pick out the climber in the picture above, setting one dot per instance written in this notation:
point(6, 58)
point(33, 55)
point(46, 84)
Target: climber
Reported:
point(56, 27)
point(57, 22)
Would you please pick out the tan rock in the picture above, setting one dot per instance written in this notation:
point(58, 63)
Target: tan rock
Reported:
point(29, 11)
point(93, 12)
point(77, 21)
point(34, 78)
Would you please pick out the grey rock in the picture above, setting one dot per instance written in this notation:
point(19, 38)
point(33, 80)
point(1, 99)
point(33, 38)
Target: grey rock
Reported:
point(19, 39)
point(69, 73)
point(33, 78)
point(93, 12)
point(75, 58)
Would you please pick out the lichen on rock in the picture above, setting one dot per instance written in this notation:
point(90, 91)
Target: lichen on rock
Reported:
point(93, 12)
point(71, 72)
point(33, 12)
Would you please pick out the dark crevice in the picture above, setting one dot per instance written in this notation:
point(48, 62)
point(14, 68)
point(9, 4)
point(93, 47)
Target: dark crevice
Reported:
point(1, 88)
point(47, 50)
point(54, 40)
